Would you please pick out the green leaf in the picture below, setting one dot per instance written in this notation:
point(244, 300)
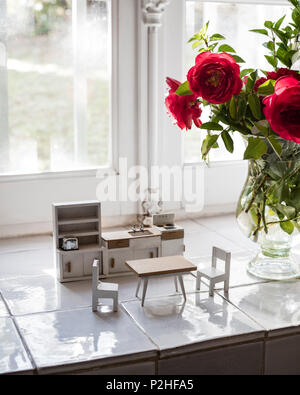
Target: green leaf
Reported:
point(287, 227)
point(184, 89)
point(226, 48)
point(254, 104)
point(268, 24)
point(211, 126)
point(260, 31)
point(228, 142)
point(273, 61)
point(217, 37)
point(251, 81)
point(261, 126)
point(208, 143)
point(276, 145)
point(232, 108)
point(256, 148)
point(197, 44)
point(238, 59)
point(269, 45)
point(246, 72)
point(267, 88)
point(279, 22)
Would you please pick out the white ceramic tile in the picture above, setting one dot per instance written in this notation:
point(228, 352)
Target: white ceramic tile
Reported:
point(238, 273)
point(157, 287)
point(201, 243)
point(25, 243)
point(33, 294)
point(3, 309)
point(226, 226)
point(26, 263)
point(273, 305)
point(13, 357)
point(170, 323)
point(77, 336)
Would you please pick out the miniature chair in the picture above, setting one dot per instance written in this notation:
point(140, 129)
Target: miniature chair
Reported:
point(103, 290)
point(213, 274)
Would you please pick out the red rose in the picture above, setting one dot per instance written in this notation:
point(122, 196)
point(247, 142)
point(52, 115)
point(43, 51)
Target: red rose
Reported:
point(275, 75)
point(282, 109)
point(184, 109)
point(215, 77)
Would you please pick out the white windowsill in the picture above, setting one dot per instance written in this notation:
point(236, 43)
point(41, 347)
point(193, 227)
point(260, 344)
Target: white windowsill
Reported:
point(52, 175)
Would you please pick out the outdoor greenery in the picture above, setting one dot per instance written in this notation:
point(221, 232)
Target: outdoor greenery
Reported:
point(41, 89)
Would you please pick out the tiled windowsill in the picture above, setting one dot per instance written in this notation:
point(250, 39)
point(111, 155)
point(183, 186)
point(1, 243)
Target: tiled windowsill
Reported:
point(48, 327)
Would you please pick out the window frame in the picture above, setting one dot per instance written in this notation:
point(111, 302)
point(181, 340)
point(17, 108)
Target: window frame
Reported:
point(79, 116)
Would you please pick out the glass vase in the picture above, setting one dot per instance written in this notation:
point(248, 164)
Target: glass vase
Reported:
point(268, 213)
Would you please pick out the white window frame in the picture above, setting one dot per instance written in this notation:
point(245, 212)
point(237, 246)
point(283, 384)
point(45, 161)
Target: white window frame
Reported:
point(80, 102)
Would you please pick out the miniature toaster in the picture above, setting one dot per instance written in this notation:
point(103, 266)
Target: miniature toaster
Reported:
point(70, 243)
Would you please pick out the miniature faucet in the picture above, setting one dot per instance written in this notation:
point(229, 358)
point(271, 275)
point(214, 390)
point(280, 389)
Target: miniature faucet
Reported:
point(134, 228)
point(141, 228)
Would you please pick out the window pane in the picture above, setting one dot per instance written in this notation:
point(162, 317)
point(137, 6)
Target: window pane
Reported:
point(234, 22)
point(58, 88)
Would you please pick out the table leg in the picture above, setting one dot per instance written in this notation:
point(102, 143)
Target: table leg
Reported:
point(176, 283)
point(182, 286)
point(144, 290)
point(138, 287)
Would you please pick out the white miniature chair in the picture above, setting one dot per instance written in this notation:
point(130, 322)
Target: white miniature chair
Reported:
point(103, 290)
point(213, 274)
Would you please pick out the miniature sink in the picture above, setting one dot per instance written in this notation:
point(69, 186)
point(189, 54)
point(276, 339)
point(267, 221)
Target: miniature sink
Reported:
point(140, 233)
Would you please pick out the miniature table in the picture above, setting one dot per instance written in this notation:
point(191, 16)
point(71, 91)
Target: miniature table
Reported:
point(163, 266)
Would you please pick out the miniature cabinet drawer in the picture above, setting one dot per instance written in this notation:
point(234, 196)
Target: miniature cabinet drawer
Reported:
point(146, 253)
point(72, 266)
point(116, 261)
point(88, 260)
point(145, 242)
point(118, 244)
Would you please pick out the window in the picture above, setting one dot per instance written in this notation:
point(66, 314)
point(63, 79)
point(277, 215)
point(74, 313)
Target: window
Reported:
point(55, 102)
point(234, 21)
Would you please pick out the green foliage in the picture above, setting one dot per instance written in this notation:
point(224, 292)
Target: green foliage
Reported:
point(184, 89)
point(282, 51)
point(256, 148)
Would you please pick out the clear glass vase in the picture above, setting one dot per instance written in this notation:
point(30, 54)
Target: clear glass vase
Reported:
point(268, 213)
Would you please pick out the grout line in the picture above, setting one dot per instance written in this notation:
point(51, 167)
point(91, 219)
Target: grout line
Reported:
point(25, 345)
point(139, 326)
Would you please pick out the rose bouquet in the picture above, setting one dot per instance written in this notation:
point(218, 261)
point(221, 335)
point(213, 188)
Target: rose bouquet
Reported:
point(264, 107)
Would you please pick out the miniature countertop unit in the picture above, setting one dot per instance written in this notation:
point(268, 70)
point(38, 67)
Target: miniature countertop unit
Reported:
point(82, 220)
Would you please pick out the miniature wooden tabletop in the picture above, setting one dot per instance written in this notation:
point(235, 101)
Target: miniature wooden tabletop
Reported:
point(162, 265)
point(124, 234)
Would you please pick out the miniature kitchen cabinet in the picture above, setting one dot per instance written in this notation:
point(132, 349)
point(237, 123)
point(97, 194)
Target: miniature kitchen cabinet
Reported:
point(119, 247)
point(81, 220)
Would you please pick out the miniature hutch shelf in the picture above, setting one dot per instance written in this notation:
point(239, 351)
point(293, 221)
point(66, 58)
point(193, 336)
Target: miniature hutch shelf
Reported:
point(83, 221)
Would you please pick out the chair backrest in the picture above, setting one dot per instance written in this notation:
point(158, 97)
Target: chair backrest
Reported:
point(218, 253)
point(96, 264)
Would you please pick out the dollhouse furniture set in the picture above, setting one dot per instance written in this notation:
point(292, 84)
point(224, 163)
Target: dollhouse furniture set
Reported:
point(82, 251)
